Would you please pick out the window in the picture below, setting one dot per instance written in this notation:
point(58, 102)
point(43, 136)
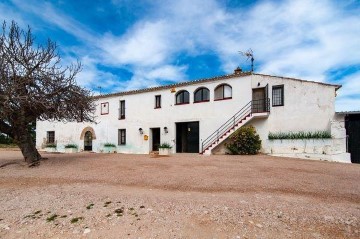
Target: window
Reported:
point(157, 101)
point(223, 92)
point(50, 138)
point(122, 109)
point(278, 95)
point(182, 97)
point(105, 108)
point(202, 95)
point(122, 137)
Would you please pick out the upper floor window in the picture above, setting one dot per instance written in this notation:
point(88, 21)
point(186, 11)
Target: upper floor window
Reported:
point(278, 95)
point(50, 137)
point(122, 109)
point(202, 95)
point(223, 92)
point(105, 108)
point(182, 97)
point(157, 101)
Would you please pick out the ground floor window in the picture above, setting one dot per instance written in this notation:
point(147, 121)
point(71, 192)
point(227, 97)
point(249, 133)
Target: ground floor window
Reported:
point(122, 137)
point(50, 137)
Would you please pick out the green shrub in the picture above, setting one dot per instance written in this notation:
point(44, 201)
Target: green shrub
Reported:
point(109, 145)
point(50, 145)
point(71, 146)
point(244, 141)
point(165, 146)
point(300, 135)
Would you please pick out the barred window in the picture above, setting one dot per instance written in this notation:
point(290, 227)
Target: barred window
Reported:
point(50, 138)
point(122, 137)
point(278, 95)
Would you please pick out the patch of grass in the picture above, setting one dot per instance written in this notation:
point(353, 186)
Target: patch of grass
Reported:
point(51, 218)
point(107, 203)
point(90, 206)
point(37, 212)
point(300, 135)
point(131, 209)
point(8, 146)
point(63, 216)
point(76, 219)
point(109, 215)
point(71, 146)
point(109, 145)
point(119, 210)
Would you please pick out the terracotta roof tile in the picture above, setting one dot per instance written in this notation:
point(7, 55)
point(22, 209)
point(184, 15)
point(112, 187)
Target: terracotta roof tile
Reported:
point(131, 92)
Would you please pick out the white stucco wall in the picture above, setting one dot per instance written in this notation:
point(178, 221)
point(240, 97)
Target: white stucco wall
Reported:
point(308, 107)
point(140, 113)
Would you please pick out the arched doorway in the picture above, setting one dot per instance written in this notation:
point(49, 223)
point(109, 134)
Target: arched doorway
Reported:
point(88, 141)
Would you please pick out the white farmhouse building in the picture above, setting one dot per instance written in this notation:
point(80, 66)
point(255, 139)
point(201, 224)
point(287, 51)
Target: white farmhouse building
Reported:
point(198, 116)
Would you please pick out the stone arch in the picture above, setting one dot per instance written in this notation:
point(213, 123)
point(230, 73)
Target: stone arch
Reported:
point(85, 130)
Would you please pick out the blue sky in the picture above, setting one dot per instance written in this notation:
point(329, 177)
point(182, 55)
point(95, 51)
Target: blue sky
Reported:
point(126, 44)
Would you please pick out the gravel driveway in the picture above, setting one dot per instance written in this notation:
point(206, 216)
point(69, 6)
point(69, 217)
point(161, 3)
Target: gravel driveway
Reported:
point(89, 195)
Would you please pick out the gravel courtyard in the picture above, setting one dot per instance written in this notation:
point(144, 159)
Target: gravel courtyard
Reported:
point(89, 195)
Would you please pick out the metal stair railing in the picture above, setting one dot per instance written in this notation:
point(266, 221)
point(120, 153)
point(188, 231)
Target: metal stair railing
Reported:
point(242, 114)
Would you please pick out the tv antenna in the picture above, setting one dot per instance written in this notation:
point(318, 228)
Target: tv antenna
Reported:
point(249, 54)
point(99, 87)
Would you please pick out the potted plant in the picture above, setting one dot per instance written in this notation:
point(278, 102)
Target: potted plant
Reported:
point(50, 148)
point(164, 149)
point(109, 148)
point(71, 148)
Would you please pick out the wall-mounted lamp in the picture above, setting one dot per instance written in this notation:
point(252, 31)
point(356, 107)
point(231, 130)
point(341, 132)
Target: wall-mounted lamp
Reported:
point(166, 130)
point(258, 83)
point(141, 131)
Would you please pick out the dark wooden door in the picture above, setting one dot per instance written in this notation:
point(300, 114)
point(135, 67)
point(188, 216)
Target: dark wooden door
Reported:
point(155, 139)
point(187, 137)
point(258, 100)
point(88, 141)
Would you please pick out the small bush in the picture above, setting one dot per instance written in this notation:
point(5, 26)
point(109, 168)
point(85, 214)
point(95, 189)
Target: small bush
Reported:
point(50, 145)
point(165, 146)
point(109, 145)
point(71, 146)
point(244, 141)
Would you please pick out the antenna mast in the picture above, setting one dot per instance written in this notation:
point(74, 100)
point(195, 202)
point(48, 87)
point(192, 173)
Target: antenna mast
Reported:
point(249, 54)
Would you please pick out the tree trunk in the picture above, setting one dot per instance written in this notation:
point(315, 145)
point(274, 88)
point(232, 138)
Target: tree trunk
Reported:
point(27, 146)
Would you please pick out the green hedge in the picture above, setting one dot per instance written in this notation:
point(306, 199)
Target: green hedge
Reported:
point(300, 135)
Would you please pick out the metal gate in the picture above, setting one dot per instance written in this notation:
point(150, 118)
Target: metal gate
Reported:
point(352, 125)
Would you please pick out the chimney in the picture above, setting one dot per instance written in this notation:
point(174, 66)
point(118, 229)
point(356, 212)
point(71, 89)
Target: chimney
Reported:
point(237, 71)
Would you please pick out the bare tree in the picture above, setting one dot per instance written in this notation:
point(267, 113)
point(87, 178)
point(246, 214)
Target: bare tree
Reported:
point(34, 86)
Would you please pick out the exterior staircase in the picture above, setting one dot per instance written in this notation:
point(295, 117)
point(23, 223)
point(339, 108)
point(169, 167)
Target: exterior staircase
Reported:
point(253, 109)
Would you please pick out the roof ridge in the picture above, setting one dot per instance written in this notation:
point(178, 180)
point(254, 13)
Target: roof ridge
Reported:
point(174, 85)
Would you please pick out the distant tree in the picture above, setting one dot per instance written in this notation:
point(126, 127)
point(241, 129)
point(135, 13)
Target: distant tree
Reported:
point(35, 86)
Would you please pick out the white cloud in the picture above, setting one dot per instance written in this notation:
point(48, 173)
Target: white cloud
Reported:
point(145, 45)
point(299, 38)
